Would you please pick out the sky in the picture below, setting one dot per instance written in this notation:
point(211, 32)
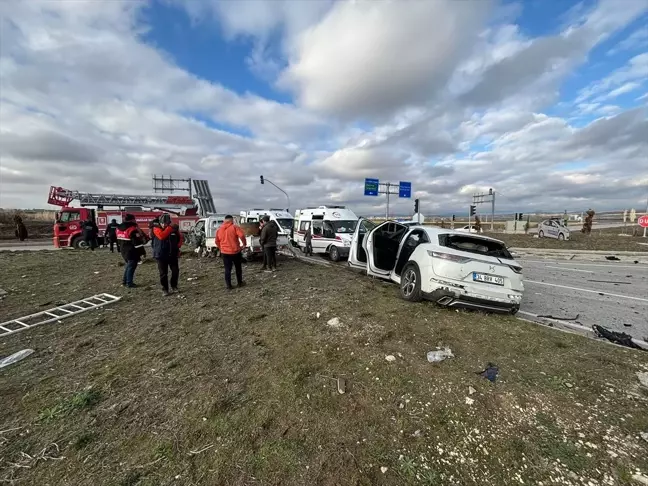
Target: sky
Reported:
point(545, 102)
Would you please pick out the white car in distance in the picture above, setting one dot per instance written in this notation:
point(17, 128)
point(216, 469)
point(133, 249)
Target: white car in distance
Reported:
point(470, 229)
point(553, 228)
point(451, 268)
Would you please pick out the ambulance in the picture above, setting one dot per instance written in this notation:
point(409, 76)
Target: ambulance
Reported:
point(332, 228)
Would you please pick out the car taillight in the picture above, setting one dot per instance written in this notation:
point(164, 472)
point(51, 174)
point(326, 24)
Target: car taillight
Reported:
point(449, 257)
point(338, 238)
point(515, 268)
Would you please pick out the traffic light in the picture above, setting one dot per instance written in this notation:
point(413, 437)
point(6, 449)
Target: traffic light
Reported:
point(473, 210)
point(520, 217)
point(262, 182)
point(416, 206)
point(453, 218)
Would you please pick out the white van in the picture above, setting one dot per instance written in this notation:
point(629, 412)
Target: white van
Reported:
point(332, 228)
point(283, 218)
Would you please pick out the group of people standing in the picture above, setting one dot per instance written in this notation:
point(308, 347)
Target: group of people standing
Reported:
point(166, 242)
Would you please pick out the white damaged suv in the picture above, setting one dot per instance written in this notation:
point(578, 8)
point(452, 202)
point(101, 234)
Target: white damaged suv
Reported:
point(451, 268)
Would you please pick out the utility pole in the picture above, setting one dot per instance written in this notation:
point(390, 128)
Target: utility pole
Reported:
point(264, 180)
point(487, 198)
point(386, 188)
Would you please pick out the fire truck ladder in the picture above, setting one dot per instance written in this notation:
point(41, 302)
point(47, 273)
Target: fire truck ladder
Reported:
point(56, 313)
point(62, 197)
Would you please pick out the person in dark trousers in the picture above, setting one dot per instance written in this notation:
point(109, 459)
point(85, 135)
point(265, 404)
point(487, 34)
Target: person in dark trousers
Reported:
point(167, 241)
point(308, 237)
point(230, 240)
point(110, 235)
point(263, 252)
point(21, 229)
point(132, 241)
point(268, 241)
point(90, 232)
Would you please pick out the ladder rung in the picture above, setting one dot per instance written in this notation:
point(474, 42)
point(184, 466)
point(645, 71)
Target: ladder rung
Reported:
point(64, 310)
point(20, 322)
point(52, 314)
point(77, 306)
point(5, 329)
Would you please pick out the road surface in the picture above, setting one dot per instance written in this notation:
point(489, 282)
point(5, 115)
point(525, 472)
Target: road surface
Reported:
point(613, 295)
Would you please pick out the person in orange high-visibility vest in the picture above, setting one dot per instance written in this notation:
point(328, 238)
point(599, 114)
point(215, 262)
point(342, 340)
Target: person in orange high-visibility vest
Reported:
point(230, 240)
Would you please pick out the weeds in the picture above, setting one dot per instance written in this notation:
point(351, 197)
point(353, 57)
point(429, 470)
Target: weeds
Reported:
point(79, 401)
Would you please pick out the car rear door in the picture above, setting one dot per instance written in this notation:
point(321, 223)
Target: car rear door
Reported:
point(357, 253)
point(382, 245)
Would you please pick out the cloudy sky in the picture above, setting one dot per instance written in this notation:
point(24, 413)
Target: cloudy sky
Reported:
point(544, 101)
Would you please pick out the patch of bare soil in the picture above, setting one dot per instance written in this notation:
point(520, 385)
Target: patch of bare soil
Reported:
point(216, 387)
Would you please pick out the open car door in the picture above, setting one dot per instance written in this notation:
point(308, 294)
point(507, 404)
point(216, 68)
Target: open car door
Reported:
point(357, 254)
point(382, 246)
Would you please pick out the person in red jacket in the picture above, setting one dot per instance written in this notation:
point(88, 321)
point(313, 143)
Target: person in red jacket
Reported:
point(166, 242)
point(230, 240)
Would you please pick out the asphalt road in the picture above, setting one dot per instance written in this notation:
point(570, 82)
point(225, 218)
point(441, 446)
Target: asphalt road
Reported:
point(612, 295)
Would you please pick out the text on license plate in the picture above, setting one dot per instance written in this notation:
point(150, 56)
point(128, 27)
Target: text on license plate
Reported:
point(491, 279)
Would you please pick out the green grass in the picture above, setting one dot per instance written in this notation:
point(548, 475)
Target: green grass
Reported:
point(240, 388)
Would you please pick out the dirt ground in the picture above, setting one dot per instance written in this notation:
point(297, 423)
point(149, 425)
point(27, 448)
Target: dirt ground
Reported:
point(240, 388)
point(608, 239)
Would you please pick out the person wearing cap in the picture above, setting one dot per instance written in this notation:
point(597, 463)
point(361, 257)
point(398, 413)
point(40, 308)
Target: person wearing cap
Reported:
point(230, 240)
point(167, 241)
point(132, 242)
point(268, 241)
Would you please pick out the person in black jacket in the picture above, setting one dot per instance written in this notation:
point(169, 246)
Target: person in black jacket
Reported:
point(90, 232)
point(132, 242)
point(268, 241)
point(111, 235)
point(166, 242)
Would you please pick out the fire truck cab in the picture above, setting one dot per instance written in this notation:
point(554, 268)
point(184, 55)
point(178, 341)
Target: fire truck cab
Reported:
point(68, 226)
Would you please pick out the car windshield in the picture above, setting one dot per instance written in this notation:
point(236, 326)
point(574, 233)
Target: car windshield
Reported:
point(473, 244)
point(343, 226)
point(286, 223)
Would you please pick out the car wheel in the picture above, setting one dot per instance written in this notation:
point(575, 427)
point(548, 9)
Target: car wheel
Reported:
point(79, 243)
point(514, 310)
point(334, 253)
point(540, 234)
point(410, 287)
point(561, 236)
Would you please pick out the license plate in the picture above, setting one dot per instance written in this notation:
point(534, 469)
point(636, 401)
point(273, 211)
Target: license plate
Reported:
point(489, 279)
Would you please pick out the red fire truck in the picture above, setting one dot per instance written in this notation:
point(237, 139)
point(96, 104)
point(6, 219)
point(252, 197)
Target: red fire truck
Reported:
point(67, 229)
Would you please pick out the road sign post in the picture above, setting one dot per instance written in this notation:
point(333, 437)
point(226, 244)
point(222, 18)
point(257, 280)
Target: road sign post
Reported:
point(643, 222)
point(373, 187)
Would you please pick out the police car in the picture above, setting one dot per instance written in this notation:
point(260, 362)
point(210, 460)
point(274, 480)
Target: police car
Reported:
point(553, 228)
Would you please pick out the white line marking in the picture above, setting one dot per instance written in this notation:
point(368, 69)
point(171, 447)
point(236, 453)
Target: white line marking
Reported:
point(571, 269)
point(587, 290)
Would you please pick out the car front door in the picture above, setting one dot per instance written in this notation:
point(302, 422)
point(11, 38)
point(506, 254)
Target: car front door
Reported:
point(357, 253)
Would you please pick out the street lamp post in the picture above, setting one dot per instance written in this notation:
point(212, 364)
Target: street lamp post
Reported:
point(264, 180)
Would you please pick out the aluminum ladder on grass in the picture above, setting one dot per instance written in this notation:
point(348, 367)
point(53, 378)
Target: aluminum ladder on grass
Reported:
point(56, 313)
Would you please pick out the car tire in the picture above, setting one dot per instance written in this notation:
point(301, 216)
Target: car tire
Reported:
point(410, 287)
point(78, 243)
point(540, 234)
point(561, 236)
point(514, 310)
point(334, 253)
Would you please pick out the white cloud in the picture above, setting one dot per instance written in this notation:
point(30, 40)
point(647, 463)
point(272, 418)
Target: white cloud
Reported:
point(84, 98)
point(361, 62)
point(637, 40)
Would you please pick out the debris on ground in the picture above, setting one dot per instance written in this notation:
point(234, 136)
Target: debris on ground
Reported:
point(616, 337)
point(383, 470)
point(3, 294)
point(439, 355)
point(391, 358)
point(643, 378)
point(549, 316)
point(190, 279)
point(612, 258)
point(471, 390)
point(341, 386)
point(469, 401)
point(640, 478)
point(317, 315)
point(14, 358)
point(335, 322)
point(644, 435)
point(490, 372)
